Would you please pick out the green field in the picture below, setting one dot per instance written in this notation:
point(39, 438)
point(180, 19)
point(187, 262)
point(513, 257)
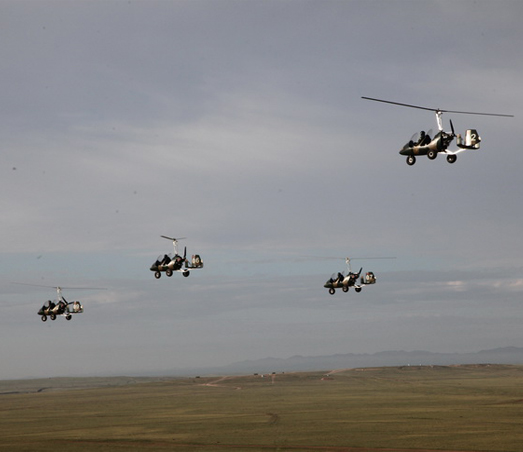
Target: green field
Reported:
point(456, 408)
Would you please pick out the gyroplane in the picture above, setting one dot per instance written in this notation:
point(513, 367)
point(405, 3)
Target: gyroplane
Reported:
point(347, 279)
point(425, 143)
point(60, 306)
point(168, 263)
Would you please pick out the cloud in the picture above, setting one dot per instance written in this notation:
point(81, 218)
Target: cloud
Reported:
point(241, 127)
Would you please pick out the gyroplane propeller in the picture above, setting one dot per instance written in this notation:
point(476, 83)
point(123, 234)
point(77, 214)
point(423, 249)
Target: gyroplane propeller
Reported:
point(60, 306)
point(349, 278)
point(169, 263)
point(425, 143)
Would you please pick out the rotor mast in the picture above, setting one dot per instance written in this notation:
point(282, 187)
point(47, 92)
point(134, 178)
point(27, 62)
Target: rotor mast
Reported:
point(439, 113)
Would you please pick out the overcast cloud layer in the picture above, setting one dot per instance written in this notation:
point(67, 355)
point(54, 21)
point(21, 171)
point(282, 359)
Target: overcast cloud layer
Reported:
point(240, 125)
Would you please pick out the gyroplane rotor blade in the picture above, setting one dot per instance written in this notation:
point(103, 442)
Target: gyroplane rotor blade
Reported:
point(60, 288)
point(172, 238)
point(399, 103)
point(350, 258)
point(436, 109)
point(175, 241)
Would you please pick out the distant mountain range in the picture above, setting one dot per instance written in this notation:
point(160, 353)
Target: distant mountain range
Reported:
point(505, 355)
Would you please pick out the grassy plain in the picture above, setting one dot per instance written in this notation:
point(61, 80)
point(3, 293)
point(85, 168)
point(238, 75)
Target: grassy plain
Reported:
point(455, 408)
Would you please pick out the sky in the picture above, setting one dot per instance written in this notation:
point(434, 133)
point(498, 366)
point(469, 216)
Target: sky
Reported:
point(240, 126)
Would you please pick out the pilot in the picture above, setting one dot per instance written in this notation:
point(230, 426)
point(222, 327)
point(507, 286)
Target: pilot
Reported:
point(421, 138)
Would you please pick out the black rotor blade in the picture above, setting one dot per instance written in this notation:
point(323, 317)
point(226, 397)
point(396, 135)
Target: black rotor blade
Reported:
point(345, 258)
point(60, 287)
point(172, 238)
point(476, 113)
point(398, 103)
point(437, 109)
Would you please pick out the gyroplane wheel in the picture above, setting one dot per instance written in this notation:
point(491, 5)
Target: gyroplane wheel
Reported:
point(68, 317)
point(157, 275)
point(332, 291)
point(345, 288)
point(432, 154)
point(186, 274)
point(411, 160)
point(53, 316)
point(169, 272)
point(44, 318)
point(452, 158)
point(357, 289)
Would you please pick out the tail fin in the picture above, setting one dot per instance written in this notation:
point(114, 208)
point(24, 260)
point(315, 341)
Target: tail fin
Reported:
point(472, 140)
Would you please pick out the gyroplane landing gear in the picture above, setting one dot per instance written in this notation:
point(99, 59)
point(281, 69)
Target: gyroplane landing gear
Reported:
point(157, 275)
point(345, 288)
point(53, 316)
point(169, 272)
point(357, 289)
point(44, 318)
point(452, 158)
point(68, 317)
point(186, 273)
point(432, 154)
point(411, 160)
point(332, 291)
